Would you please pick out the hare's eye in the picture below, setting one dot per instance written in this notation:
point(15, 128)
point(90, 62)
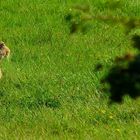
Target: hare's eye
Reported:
point(0, 46)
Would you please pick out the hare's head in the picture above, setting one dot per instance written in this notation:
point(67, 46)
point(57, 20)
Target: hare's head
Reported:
point(4, 50)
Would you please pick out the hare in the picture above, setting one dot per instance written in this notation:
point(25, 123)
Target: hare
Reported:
point(4, 52)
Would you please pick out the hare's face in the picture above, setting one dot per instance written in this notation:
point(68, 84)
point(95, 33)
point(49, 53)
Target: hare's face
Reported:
point(4, 50)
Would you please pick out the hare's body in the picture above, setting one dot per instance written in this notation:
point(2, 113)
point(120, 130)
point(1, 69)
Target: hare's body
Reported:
point(4, 52)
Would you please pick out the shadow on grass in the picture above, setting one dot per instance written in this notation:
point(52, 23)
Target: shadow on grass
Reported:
point(124, 77)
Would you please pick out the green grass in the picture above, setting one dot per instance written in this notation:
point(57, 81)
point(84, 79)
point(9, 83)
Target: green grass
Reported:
point(49, 88)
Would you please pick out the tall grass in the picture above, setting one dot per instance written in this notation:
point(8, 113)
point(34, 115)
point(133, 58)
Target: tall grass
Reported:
point(49, 88)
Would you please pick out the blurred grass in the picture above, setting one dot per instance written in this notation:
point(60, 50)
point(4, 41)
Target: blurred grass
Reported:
point(49, 88)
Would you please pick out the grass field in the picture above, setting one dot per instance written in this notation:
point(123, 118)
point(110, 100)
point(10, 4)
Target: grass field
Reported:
point(49, 88)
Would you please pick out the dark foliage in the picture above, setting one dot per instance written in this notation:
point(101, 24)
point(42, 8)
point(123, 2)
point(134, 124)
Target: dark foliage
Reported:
point(78, 19)
point(98, 67)
point(136, 40)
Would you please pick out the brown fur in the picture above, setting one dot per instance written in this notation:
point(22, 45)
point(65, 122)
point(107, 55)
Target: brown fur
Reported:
point(4, 52)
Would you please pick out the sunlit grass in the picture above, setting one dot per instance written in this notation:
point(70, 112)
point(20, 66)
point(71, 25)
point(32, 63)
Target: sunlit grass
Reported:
point(50, 89)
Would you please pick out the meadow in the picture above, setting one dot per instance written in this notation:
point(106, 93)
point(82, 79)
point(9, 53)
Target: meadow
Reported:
point(50, 89)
